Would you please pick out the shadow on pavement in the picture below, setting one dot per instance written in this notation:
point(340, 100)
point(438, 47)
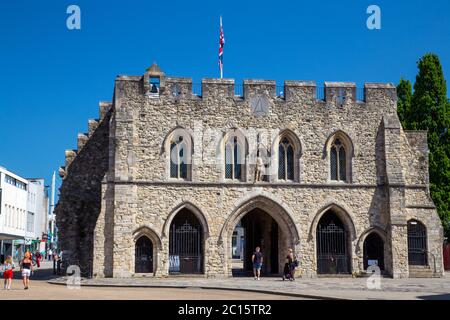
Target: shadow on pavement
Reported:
point(44, 273)
point(443, 296)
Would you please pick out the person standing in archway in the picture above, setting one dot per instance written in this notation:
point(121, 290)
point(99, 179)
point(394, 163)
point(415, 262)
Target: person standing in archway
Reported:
point(257, 260)
point(290, 265)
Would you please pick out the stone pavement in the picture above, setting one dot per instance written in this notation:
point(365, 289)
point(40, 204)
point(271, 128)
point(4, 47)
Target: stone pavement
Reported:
point(318, 288)
point(41, 289)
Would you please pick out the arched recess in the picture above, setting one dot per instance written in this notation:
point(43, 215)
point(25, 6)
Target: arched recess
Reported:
point(289, 237)
point(341, 212)
point(187, 231)
point(381, 232)
point(235, 135)
point(374, 251)
point(362, 247)
point(156, 244)
point(339, 140)
point(417, 243)
point(191, 207)
point(178, 150)
point(333, 247)
point(289, 136)
point(332, 220)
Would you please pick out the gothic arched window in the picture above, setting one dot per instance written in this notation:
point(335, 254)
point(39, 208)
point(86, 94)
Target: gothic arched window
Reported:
point(286, 160)
point(338, 161)
point(234, 159)
point(179, 158)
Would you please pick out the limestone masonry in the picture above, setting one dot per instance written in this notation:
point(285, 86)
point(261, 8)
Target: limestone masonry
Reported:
point(160, 181)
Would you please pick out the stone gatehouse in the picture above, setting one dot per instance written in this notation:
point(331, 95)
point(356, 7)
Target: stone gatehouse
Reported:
point(162, 180)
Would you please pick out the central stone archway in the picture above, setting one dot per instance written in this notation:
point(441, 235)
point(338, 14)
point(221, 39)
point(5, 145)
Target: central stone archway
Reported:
point(268, 224)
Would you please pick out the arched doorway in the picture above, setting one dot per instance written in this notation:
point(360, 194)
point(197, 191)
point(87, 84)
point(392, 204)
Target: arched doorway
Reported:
point(332, 240)
point(256, 229)
point(143, 255)
point(417, 243)
point(373, 251)
point(185, 244)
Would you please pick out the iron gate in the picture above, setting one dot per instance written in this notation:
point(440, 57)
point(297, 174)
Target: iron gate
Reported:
point(143, 255)
point(185, 250)
point(332, 251)
point(417, 244)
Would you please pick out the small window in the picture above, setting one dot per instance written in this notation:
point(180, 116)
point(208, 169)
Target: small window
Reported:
point(154, 86)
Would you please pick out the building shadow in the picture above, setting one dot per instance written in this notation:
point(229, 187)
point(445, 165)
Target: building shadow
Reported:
point(442, 296)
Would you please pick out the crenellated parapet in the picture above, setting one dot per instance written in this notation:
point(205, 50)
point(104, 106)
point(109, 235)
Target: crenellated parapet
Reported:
point(83, 138)
point(70, 156)
point(331, 93)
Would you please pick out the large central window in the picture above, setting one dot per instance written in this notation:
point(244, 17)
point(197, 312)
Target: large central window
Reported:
point(234, 150)
point(179, 156)
point(233, 155)
point(286, 160)
point(178, 163)
point(289, 152)
point(340, 153)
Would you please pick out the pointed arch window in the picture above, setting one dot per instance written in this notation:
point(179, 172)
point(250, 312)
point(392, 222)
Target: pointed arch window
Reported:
point(179, 162)
point(234, 159)
point(338, 161)
point(286, 160)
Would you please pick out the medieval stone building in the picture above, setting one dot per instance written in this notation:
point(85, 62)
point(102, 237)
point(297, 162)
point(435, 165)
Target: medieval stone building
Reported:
point(163, 177)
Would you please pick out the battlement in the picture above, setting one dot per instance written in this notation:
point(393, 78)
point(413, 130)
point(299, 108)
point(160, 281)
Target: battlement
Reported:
point(291, 91)
point(83, 138)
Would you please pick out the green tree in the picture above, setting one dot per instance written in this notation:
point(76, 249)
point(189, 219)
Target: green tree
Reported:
point(404, 95)
point(430, 110)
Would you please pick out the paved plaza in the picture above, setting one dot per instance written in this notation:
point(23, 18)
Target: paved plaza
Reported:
point(45, 285)
point(319, 288)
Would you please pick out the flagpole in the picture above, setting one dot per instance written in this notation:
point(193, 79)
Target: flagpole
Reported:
point(221, 65)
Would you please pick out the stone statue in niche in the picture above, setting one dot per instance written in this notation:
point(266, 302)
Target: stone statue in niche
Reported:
point(261, 160)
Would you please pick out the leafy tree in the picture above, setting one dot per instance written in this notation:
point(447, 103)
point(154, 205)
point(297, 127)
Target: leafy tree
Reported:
point(404, 94)
point(430, 110)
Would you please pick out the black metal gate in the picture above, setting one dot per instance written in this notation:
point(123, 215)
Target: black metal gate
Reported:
point(373, 251)
point(186, 244)
point(332, 246)
point(143, 255)
point(417, 244)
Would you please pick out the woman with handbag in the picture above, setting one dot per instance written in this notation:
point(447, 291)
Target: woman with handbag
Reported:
point(290, 265)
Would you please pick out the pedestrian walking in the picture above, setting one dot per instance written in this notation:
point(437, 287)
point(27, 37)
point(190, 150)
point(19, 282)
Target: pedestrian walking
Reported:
point(290, 265)
point(257, 260)
point(8, 270)
point(55, 262)
point(26, 268)
point(38, 259)
point(58, 264)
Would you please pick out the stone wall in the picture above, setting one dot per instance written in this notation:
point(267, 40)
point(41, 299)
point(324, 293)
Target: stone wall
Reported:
point(388, 171)
point(79, 202)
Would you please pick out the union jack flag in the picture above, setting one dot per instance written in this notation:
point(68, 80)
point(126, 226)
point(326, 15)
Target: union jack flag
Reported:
point(221, 43)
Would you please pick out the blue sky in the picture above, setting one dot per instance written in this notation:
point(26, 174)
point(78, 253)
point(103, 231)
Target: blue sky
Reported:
point(53, 78)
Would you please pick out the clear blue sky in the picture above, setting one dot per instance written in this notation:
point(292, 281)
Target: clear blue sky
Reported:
point(52, 78)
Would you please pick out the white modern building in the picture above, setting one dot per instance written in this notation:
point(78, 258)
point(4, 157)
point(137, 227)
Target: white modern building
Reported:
point(37, 215)
point(23, 214)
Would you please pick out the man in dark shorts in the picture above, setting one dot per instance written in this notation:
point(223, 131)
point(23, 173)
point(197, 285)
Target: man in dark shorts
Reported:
point(257, 259)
